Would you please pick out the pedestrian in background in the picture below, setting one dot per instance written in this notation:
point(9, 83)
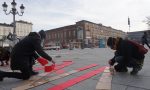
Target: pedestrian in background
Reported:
point(144, 39)
point(13, 40)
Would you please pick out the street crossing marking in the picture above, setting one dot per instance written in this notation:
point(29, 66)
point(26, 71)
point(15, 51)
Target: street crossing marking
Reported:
point(105, 80)
point(60, 71)
point(57, 68)
point(76, 80)
point(41, 75)
point(41, 80)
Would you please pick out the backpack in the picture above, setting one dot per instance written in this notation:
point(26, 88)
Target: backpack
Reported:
point(140, 47)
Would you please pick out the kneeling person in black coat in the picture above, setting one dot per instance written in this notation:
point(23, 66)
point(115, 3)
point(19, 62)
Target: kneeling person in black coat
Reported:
point(22, 56)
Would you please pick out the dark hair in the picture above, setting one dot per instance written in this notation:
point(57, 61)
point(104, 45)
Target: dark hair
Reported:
point(111, 42)
point(42, 34)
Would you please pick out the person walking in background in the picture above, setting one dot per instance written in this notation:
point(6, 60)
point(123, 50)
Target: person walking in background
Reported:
point(13, 40)
point(126, 55)
point(22, 56)
point(144, 39)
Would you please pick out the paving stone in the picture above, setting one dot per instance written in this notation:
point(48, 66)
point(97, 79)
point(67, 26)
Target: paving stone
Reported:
point(43, 87)
point(88, 84)
point(143, 82)
point(134, 88)
point(118, 87)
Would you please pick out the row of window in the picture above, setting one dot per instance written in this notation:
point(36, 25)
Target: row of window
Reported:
point(60, 35)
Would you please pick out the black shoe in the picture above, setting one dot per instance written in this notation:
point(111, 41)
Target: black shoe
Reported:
point(134, 71)
point(34, 73)
point(117, 69)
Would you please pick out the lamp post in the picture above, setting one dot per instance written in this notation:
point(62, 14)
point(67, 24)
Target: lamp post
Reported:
point(14, 12)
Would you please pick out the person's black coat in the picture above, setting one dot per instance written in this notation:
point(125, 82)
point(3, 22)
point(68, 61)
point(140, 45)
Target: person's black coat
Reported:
point(128, 51)
point(24, 51)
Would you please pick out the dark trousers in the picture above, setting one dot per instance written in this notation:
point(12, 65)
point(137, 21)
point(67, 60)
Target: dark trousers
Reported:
point(25, 72)
point(146, 44)
point(133, 63)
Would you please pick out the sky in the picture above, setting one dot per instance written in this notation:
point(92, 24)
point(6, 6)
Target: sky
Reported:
point(49, 14)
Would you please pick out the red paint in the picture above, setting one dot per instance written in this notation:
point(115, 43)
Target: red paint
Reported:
point(42, 61)
point(49, 68)
point(76, 80)
point(83, 68)
point(63, 65)
point(60, 71)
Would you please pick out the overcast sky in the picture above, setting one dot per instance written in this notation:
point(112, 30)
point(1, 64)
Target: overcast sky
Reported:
point(49, 14)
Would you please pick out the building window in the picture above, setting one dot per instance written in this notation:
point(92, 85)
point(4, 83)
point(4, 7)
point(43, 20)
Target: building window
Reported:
point(74, 33)
point(58, 35)
point(65, 34)
point(69, 34)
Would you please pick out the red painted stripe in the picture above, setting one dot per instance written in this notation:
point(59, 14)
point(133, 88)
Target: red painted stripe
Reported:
point(89, 66)
point(76, 80)
point(63, 65)
point(60, 71)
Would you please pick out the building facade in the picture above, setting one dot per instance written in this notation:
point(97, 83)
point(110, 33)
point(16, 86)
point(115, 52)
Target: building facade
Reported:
point(5, 29)
point(82, 34)
point(23, 28)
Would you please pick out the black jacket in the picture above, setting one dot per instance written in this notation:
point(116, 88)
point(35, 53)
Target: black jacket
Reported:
point(24, 51)
point(128, 51)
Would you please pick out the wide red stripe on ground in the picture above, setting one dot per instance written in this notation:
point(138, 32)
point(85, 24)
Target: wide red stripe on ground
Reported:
point(77, 79)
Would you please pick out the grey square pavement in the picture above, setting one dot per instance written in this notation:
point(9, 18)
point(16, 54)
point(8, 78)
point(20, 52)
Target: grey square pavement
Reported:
point(100, 56)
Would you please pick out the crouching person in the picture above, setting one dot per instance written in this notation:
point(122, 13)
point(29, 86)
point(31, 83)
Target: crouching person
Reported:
point(22, 56)
point(126, 55)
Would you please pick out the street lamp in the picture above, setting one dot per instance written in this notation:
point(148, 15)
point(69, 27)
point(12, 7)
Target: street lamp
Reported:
point(14, 12)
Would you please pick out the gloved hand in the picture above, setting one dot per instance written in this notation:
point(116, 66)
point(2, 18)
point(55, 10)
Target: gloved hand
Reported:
point(110, 62)
point(53, 61)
